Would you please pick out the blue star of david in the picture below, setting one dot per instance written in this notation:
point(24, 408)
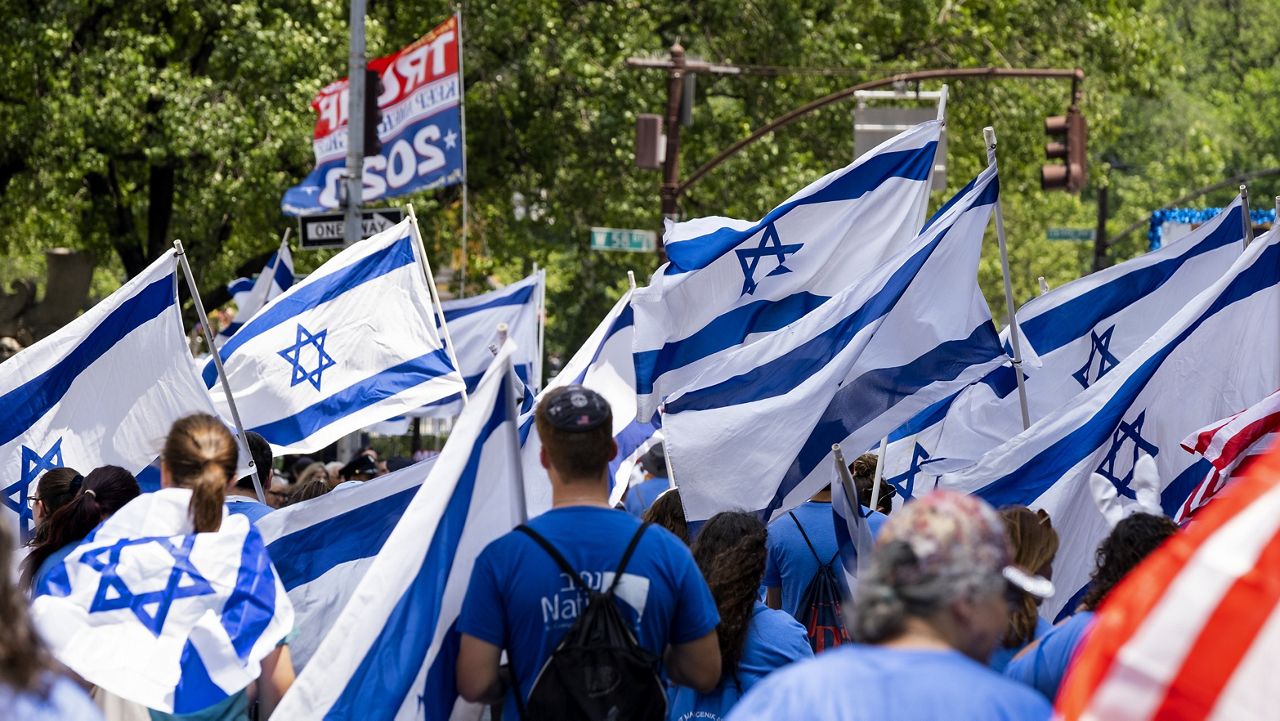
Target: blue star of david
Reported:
point(1126, 432)
point(770, 245)
point(1101, 349)
point(293, 354)
point(114, 594)
point(905, 483)
point(33, 465)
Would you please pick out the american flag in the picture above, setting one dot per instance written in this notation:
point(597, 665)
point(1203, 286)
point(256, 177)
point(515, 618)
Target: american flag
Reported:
point(1194, 631)
point(1230, 445)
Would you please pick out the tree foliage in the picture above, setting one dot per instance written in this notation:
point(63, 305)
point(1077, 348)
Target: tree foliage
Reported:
point(123, 125)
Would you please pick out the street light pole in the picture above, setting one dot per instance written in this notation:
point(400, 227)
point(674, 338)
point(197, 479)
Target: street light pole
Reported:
point(671, 156)
point(355, 124)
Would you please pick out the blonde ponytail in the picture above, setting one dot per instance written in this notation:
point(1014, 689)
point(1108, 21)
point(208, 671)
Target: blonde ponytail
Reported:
point(201, 455)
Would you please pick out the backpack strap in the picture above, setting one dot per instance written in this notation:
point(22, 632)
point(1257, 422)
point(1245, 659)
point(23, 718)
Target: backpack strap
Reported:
point(555, 556)
point(809, 543)
point(626, 557)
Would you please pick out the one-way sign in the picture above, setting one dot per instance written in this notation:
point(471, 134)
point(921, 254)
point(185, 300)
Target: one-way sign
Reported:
point(327, 231)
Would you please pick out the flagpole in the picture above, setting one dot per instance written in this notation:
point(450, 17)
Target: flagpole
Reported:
point(1248, 222)
point(631, 279)
point(435, 298)
point(462, 120)
point(284, 240)
point(542, 319)
point(879, 475)
point(217, 363)
point(989, 134)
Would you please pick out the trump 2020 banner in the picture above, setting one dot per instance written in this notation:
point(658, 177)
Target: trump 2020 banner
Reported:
point(421, 128)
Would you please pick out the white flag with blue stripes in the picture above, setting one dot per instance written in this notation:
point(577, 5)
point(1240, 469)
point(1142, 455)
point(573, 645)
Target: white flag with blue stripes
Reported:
point(393, 652)
point(603, 364)
point(1076, 334)
point(473, 328)
point(727, 281)
point(160, 615)
point(251, 294)
point(756, 432)
point(102, 390)
point(1218, 354)
point(321, 548)
point(353, 344)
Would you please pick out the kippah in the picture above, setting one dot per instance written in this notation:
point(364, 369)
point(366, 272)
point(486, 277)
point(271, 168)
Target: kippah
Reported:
point(577, 408)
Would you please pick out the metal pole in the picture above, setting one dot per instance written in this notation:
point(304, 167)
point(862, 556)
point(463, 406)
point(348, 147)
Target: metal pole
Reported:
point(942, 105)
point(1248, 222)
point(671, 155)
point(355, 124)
point(989, 134)
point(1100, 259)
point(466, 179)
point(542, 323)
point(435, 298)
point(217, 363)
point(631, 279)
point(879, 475)
point(1044, 285)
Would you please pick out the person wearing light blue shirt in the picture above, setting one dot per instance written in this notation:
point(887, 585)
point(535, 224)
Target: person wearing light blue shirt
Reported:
point(792, 564)
point(642, 495)
point(928, 611)
point(242, 497)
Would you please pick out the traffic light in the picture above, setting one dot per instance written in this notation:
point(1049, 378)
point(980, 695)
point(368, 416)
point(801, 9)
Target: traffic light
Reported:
point(372, 115)
point(1070, 137)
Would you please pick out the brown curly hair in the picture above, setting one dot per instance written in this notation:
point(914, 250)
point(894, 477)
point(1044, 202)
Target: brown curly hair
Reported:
point(668, 512)
point(730, 551)
point(1130, 541)
point(1035, 544)
point(24, 663)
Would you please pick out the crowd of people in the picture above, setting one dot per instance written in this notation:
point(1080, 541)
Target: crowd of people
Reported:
point(632, 612)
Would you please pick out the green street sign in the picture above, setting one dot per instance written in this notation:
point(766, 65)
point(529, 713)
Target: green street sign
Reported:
point(1069, 233)
point(624, 239)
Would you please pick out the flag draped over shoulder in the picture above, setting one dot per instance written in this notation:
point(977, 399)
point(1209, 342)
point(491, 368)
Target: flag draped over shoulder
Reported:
point(1229, 444)
point(1071, 337)
point(102, 390)
point(392, 654)
point(727, 280)
point(321, 548)
point(473, 328)
point(756, 431)
point(603, 364)
point(162, 616)
point(1194, 631)
point(353, 344)
point(1178, 380)
point(251, 294)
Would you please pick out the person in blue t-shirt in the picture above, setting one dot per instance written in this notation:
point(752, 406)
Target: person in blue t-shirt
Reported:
point(1035, 545)
point(928, 611)
point(242, 497)
point(1043, 665)
point(518, 601)
point(754, 639)
point(792, 564)
point(642, 495)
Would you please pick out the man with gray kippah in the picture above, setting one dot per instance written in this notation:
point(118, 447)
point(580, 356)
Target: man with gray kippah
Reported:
point(926, 616)
point(521, 600)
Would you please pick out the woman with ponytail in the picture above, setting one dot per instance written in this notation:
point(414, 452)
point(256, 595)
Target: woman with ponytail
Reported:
point(754, 639)
point(928, 610)
point(96, 497)
point(30, 689)
point(53, 490)
point(1035, 544)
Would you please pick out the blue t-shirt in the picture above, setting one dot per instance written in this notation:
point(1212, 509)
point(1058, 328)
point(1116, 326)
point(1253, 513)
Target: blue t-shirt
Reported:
point(233, 708)
point(53, 560)
point(519, 600)
point(1045, 662)
point(871, 683)
point(64, 701)
point(774, 639)
point(641, 496)
point(791, 565)
point(247, 507)
point(1004, 654)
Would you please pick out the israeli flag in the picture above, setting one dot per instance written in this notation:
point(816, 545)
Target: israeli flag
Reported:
point(756, 432)
point(392, 653)
point(353, 344)
point(729, 281)
point(1219, 353)
point(321, 548)
point(603, 364)
point(250, 295)
point(102, 390)
point(473, 328)
point(1072, 336)
point(160, 615)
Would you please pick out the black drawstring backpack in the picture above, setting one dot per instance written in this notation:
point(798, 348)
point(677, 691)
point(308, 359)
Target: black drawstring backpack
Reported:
point(820, 606)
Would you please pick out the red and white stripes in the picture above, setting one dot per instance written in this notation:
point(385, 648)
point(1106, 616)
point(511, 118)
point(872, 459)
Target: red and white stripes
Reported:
point(1229, 444)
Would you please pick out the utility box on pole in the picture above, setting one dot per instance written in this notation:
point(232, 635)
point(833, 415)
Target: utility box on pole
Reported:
point(651, 144)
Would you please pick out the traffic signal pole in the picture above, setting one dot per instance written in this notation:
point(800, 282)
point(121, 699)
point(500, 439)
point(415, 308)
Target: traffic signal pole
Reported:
point(355, 124)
